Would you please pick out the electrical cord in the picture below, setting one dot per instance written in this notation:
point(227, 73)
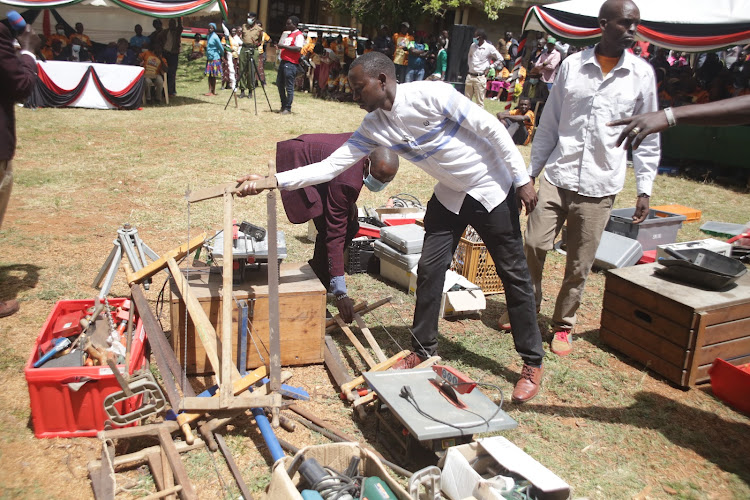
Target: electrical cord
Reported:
point(408, 394)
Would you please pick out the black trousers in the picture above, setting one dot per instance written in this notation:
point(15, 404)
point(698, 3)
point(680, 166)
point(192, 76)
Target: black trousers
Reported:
point(321, 262)
point(501, 232)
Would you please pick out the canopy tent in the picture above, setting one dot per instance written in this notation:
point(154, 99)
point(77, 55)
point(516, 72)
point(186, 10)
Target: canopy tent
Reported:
point(684, 25)
point(107, 20)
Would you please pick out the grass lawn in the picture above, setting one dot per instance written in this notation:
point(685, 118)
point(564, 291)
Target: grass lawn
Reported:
point(605, 424)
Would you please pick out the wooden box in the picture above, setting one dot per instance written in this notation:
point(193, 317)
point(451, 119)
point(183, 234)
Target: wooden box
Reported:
point(675, 329)
point(302, 306)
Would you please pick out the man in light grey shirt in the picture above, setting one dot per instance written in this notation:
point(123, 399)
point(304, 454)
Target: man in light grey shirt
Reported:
point(583, 167)
point(481, 55)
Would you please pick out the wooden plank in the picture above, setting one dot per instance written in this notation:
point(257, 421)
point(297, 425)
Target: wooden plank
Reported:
point(274, 322)
point(158, 265)
point(239, 385)
point(203, 326)
point(645, 339)
point(168, 426)
point(700, 336)
point(142, 455)
point(180, 474)
point(719, 331)
point(167, 493)
point(679, 313)
point(155, 466)
point(245, 401)
point(370, 339)
point(233, 467)
point(637, 353)
point(346, 388)
point(334, 363)
point(362, 308)
point(725, 350)
point(232, 187)
point(649, 318)
point(162, 354)
point(167, 476)
point(355, 341)
point(226, 308)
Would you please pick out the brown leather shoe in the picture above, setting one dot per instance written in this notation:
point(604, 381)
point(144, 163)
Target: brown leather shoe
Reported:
point(8, 307)
point(528, 384)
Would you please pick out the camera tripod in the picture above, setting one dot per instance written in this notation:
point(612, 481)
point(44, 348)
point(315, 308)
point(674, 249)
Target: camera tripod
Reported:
point(253, 70)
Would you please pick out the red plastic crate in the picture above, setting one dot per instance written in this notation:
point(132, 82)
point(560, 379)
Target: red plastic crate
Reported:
point(59, 411)
point(731, 384)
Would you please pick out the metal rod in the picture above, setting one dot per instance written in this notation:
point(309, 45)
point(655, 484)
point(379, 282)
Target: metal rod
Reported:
point(273, 287)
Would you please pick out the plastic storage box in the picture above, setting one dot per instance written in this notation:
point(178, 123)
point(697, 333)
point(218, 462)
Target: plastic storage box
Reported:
point(720, 247)
point(59, 408)
point(691, 214)
point(358, 257)
point(406, 238)
point(731, 384)
point(396, 266)
point(659, 227)
point(616, 251)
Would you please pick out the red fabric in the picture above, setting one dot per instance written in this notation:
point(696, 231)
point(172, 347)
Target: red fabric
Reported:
point(693, 41)
point(290, 55)
point(162, 7)
point(565, 29)
point(119, 93)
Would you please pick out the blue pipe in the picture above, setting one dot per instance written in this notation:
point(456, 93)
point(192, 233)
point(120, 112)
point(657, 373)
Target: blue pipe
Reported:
point(267, 432)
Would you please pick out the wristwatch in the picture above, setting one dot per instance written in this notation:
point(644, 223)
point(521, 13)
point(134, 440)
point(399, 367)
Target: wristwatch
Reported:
point(644, 195)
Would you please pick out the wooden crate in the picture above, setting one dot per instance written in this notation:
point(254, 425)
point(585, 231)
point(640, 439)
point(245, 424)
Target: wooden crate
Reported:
point(302, 301)
point(675, 329)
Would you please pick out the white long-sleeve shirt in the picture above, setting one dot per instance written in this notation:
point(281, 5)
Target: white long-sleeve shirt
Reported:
point(573, 143)
point(438, 129)
point(480, 56)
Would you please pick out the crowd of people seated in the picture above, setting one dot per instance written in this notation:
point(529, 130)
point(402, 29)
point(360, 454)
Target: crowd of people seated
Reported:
point(150, 52)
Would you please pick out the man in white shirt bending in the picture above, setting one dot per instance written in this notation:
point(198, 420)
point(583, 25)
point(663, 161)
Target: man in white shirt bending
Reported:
point(481, 55)
point(482, 181)
point(583, 167)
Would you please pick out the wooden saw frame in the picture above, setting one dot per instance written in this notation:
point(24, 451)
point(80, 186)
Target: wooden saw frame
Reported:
point(219, 349)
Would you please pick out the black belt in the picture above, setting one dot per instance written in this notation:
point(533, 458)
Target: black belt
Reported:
point(476, 74)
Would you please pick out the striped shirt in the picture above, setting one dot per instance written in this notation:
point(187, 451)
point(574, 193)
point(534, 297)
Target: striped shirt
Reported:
point(466, 149)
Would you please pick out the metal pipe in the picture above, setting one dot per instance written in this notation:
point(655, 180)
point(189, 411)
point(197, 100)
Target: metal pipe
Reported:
point(267, 432)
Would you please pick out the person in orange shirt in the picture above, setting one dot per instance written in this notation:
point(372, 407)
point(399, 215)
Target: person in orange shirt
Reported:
point(401, 52)
point(154, 65)
point(59, 35)
point(519, 122)
point(84, 40)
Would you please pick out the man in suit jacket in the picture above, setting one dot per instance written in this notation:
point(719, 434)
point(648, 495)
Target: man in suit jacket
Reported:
point(331, 205)
point(17, 79)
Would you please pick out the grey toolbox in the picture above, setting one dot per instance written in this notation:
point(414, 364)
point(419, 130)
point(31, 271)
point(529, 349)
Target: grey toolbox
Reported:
point(617, 251)
point(406, 238)
point(659, 227)
point(400, 259)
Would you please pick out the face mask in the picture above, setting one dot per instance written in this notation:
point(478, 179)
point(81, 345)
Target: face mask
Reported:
point(60, 32)
point(371, 182)
point(475, 40)
point(250, 20)
point(534, 81)
point(76, 48)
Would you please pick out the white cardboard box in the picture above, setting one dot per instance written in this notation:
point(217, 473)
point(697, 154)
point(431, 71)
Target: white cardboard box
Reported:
point(469, 300)
point(460, 480)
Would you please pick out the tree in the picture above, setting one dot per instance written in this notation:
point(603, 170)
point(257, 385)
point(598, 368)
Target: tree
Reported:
point(393, 12)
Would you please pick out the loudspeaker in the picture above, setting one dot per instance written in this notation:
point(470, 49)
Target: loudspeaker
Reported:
point(458, 52)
